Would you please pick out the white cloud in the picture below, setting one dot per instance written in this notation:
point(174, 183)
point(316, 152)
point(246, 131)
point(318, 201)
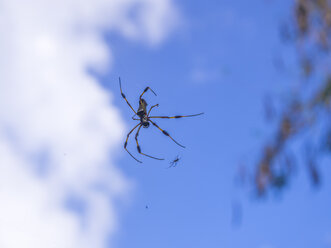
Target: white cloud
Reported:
point(58, 130)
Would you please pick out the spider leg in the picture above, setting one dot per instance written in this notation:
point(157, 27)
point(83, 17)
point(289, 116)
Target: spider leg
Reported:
point(174, 117)
point(125, 97)
point(135, 118)
point(147, 88)
point(126, 141)
point(156, 105)
point(166, 133)
point(139, 149)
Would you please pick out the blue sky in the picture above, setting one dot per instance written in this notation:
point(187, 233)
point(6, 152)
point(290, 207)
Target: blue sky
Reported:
point(220, 62)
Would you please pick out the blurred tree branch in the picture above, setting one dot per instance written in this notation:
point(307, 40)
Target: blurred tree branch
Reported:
point(309, 31)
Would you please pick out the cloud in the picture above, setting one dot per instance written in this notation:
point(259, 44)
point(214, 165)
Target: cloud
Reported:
point(58, 130)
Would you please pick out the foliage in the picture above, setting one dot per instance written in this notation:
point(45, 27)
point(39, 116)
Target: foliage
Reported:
point(309, 31)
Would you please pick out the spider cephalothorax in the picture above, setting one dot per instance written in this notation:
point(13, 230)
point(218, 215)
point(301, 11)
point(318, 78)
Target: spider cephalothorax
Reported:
point(145, 121)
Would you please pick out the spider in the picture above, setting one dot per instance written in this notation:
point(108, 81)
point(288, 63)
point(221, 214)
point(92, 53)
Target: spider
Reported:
point(145, 120)
point(174, 162)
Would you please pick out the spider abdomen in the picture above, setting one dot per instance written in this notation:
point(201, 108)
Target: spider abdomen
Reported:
point(142, 108)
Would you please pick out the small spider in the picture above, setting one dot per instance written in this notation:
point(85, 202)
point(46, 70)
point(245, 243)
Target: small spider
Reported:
point(174, 162)
point(145, 119)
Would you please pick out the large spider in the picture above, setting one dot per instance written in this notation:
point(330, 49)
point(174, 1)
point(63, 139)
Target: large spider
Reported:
point(145, 119)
